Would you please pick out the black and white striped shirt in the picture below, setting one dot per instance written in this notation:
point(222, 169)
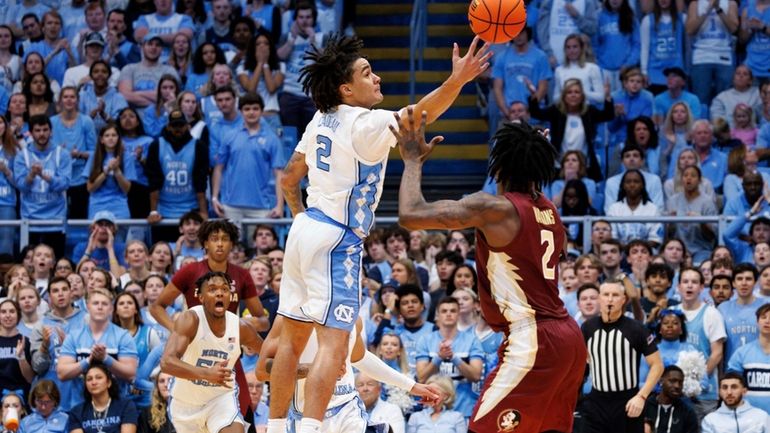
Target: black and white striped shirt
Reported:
point(615, 350)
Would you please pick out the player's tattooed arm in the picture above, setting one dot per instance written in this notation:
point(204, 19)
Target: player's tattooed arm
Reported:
point(296, 170)
point(475, 210)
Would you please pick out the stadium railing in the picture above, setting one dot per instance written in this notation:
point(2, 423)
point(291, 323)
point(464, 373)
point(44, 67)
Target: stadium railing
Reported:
point(24, 225)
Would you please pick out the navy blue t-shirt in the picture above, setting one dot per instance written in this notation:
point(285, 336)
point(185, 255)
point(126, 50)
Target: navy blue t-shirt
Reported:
point(120, 412)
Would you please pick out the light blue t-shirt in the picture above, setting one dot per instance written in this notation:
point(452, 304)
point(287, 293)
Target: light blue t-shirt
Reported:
point(81, 135)
point(78, 345)
point(740, 323)
point(754, 363)
point(249, 163)
point(467, 347)
point(513, 67)
point(41, 199)
point(108, 196)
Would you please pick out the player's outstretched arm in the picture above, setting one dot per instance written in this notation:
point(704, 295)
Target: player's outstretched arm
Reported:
point(376, 368)
point(464, 69)
point(158, 308)
point(475, 210)
point(293, 173)
point(171, 363)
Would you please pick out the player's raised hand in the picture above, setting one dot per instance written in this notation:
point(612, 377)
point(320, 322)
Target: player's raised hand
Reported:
point(411, 139)
point(473, 63)
point(429, 394)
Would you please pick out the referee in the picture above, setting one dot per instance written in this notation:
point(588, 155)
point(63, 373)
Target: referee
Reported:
point(615, 343)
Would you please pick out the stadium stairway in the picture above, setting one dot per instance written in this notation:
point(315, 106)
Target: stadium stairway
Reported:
point(457, 166)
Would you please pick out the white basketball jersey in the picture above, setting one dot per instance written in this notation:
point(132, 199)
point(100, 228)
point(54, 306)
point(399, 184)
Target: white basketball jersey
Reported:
point(345, 185)
point(205, 350)
point(344, 389)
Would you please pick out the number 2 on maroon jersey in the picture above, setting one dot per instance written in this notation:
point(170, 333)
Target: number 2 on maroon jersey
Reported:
point(546, 237)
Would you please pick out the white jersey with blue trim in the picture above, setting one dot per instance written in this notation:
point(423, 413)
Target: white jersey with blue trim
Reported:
point(346, 151)
point(344, 388)
point(205, 350)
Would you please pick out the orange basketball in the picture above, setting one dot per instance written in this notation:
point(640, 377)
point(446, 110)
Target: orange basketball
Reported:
point(497, 21)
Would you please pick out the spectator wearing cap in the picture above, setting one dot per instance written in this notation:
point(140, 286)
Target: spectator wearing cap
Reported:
point(711, 25)
point(676, 82)
point(93, 50)
point(95, 22)
point(101, 247)
point(56, 50)
point(249, 168)
point(177, 171)
point(42, 174)
point(138, 81)
point(164, 24)
point(632, 158)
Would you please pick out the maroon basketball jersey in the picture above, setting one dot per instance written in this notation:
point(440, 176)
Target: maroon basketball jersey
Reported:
point(520, 280)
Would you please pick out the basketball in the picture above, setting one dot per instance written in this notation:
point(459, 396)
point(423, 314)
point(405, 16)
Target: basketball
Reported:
point(497, 21)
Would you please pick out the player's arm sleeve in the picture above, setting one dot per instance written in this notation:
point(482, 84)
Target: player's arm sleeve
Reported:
point(374, 367)
point(372, 140)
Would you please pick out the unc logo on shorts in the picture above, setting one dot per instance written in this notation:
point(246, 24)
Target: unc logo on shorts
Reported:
point(344, 313)
point(508, 420)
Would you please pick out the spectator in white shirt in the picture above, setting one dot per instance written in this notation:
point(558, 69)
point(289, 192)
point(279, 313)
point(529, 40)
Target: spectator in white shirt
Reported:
point(380, 412)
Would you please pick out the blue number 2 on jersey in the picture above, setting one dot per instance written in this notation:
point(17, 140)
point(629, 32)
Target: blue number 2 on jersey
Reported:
point(323, 151)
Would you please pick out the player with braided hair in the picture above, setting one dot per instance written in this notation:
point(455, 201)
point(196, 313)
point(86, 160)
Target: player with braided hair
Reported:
point(343, 151)
point(519, 239)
